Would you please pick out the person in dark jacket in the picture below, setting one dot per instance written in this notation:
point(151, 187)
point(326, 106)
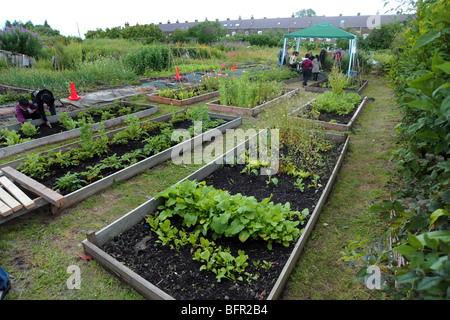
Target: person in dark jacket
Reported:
point(41, 97)
point(26, 110)
point(306, 67)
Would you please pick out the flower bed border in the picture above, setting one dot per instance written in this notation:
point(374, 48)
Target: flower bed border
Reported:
point(129, 172)
point(217, 107)
point(330, 125)
point(92, 245)
point(9, 151)
point(316, 88)
point(154, 97)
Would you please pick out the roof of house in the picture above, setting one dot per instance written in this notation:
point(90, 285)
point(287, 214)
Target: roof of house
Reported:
point(360, 21)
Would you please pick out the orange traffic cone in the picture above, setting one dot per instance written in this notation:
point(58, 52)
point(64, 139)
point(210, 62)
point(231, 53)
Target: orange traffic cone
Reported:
point(234, 67)
point(73, 93)
point(177, 76)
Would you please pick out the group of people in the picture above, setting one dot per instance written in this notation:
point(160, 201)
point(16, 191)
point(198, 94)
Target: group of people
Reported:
point(29, 110)
point(310, 64)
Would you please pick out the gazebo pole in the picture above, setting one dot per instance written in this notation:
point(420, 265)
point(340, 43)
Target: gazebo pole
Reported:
point(350, 51)
point(298, 44)
point(282, 56)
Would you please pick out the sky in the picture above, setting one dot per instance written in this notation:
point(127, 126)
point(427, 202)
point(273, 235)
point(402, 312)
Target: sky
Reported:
point(75, 18)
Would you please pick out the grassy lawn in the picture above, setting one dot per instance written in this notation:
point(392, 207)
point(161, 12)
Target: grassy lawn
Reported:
point(36, 249)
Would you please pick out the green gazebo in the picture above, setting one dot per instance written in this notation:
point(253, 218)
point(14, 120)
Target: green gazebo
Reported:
point(323, 30)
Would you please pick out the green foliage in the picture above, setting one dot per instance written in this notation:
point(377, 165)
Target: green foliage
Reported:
point(236, 215)
point(331, 102)
point(12, 137)
point(34, 166)
point(29, 130)
point(207, 211)
point(67, 122)
point(148, 58)
point(138, 32)
point(70, 181)
point(337, 80)
point(241, 92)
point(20, 40)
point(382, 37)
point(207, 31)
point(418, 206)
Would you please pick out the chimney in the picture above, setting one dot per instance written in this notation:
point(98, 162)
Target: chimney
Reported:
point(168, 21)
point(252, 17)
point(358, 14)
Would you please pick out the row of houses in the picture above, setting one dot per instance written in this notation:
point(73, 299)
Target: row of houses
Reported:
point(361, 24)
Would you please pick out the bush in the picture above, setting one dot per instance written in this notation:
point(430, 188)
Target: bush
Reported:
point(148, 57)
point(20, 40)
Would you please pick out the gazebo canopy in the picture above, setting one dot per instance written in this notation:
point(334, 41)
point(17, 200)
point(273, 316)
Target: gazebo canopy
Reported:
point(321, 30)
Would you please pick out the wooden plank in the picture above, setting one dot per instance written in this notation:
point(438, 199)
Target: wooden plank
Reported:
point(9, 200)
point(32, 185)
point(17, 193)
point(4, 209)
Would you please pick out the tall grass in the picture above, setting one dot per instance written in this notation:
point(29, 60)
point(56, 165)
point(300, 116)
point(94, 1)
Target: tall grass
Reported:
point(103, 69)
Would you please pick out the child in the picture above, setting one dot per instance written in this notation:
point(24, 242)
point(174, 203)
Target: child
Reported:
point(293, 61)
point(26, 111)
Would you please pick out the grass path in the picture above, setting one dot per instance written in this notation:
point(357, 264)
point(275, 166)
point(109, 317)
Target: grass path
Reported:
point(37, 249)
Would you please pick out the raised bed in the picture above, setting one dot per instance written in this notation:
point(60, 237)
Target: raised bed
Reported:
point(129, 172)
point(154, 97)
point(95, 243)
point(316, 88)
point(217, 107)
point(344, 126)
point(8, 151)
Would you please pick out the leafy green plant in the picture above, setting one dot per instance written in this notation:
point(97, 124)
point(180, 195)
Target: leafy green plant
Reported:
point(67, 122)
point(12, 137)
point(29, 130)
point(70, 181)
point(34, 166)
point(337, 80)
point(331, 102)
point(264, 220)
point(270, 180)
point(300, 184)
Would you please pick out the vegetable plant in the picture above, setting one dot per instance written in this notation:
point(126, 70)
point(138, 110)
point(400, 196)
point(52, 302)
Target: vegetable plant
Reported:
point(29, 130)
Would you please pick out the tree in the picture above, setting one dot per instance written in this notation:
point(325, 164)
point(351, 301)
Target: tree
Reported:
point(306, 13)
point(207, 32)
point(179, 36)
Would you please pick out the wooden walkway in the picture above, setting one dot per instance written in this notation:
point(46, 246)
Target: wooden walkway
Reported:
point(20, 194)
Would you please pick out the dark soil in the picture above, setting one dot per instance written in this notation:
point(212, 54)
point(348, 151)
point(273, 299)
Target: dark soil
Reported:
point(338, 118)
point(177, 274)
point(55, 172)
point(56, 127)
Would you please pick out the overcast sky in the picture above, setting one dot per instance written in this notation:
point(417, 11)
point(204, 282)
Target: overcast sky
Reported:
point(76, 17)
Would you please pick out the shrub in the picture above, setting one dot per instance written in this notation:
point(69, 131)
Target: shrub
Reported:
point(20, 40)
point(148, 57)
